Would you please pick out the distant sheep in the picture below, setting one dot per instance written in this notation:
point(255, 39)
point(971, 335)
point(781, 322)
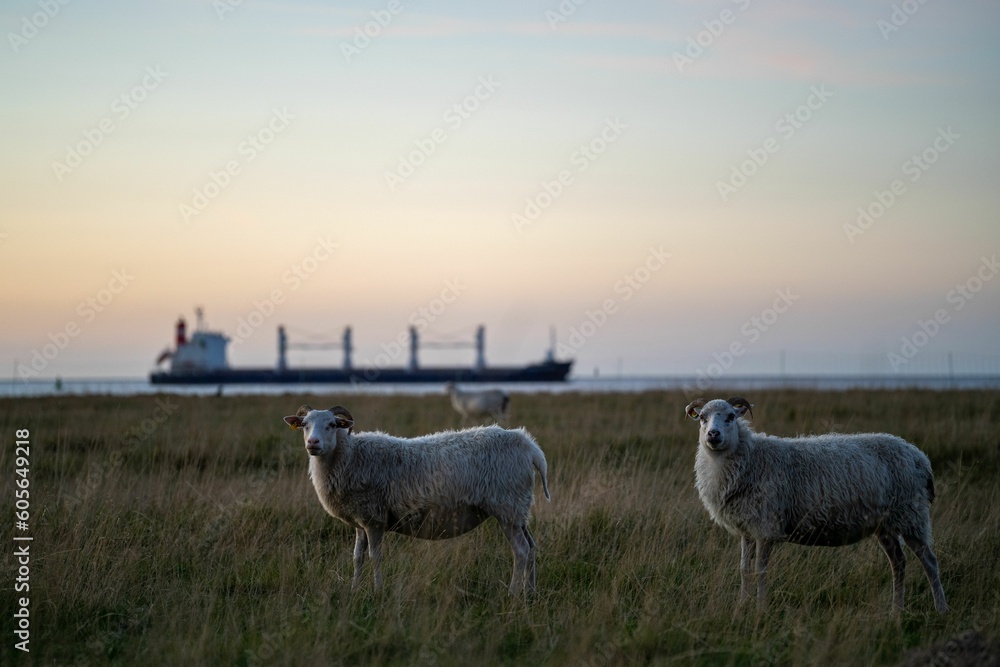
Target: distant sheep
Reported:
point(479, 403)
point(827, 490)
point(432, 487)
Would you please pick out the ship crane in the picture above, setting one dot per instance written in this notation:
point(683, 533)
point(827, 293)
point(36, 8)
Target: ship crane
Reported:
point(284, 345)
point(479, 343)
point(347, 345)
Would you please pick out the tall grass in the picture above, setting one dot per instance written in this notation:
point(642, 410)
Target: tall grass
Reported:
point(199, 540)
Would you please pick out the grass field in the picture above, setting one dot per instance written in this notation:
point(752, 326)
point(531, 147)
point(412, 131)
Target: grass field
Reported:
point(183, 531)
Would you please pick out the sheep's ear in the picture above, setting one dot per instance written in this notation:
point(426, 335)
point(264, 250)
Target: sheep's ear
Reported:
point(693, 410)
point(741, 405)
point(295, 421)
point(342, 418)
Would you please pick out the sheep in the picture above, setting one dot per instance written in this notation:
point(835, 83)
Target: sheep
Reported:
point(483, 403)
point(825, 490)
point(432, 487)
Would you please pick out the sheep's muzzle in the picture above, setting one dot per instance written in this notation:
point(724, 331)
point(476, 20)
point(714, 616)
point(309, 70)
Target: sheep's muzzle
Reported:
point(714, 441)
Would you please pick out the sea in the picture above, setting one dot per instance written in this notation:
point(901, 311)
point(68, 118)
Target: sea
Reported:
point(690, 385)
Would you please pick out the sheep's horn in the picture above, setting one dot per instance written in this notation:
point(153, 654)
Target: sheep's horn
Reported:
point(739, 402)
point(341, 411)
point(693, 408)
point(303, 411)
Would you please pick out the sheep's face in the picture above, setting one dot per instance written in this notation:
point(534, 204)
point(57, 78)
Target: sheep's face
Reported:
point(319, 427)
point(719, 430)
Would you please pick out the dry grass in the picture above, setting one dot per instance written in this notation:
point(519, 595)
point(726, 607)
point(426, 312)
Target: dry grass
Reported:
point(202, 542)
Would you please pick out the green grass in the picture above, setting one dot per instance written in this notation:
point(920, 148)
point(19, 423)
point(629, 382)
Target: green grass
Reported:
point(199, 540)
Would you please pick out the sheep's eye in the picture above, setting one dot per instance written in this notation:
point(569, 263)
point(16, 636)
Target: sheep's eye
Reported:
point(729, 417)
point(330, 425)
point(704, 419)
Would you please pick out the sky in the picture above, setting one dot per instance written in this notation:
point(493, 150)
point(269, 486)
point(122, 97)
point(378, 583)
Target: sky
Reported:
point(677, 187)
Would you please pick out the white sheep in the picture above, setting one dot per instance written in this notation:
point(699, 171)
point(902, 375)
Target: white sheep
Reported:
point(826, 490)
point(432, 487)
point(478, 404)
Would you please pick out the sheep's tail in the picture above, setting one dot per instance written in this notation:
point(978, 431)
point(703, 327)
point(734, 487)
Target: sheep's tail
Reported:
point(538, 460)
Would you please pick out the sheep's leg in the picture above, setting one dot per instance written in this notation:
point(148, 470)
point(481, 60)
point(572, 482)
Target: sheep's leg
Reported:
point(360, 550)
point(521, 547)
point(930, 563)
point(532, 573)
point(897, 561)
point(747, 548)
point(375, 552)
point(763, 552)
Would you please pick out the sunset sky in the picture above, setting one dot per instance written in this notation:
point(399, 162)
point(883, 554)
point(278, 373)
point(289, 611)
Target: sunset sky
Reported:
point(671, 181)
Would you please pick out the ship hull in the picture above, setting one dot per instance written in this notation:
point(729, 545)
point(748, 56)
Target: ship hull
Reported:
point(549, 371)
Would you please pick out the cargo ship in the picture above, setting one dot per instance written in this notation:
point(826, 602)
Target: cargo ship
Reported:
point(201, 359)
